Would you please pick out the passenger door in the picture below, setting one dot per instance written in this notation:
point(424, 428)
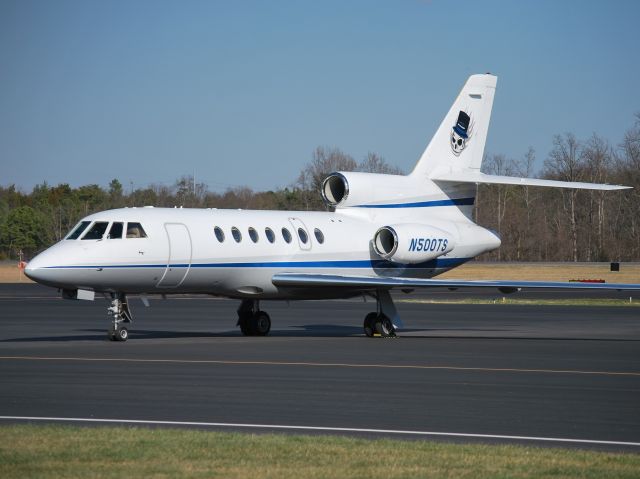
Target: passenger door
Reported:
point(180, 251)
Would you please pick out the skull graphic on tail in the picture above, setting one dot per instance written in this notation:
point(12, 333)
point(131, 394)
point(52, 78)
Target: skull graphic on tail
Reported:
point(461, 133)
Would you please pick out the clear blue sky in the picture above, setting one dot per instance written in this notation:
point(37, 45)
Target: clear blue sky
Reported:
point(243, 91)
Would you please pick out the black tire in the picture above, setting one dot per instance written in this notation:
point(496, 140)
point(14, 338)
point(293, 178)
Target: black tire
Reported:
point(370, 324)
point(122, 334)
point(384, 326)
point(261, 323)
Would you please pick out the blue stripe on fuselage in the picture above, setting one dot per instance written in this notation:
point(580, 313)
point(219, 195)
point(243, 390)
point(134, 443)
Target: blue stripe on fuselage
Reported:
point(424, 204)
point(434, 263)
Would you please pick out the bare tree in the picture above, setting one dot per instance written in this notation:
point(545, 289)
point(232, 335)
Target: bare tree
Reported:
point(597, 157)
point(525, 167)
point(189, 193)
point(628, 168)
point(564, 164)
point(499, 165)
point(374, 163)
point(631, 145)
point(324, 161)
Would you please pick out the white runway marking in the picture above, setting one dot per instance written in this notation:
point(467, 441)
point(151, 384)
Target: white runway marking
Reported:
point(321, 429)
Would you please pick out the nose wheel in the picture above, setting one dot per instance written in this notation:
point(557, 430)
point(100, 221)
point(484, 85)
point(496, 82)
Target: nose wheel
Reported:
point(121, 334)
point(120, 315)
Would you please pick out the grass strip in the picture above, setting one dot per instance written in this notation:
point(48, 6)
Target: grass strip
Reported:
point(95, 452)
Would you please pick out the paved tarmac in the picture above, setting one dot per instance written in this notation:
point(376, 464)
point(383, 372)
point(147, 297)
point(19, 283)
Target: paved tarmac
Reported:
point(470, 372)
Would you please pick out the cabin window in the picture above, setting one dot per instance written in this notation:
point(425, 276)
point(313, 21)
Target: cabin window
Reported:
point(135, 230)
point(319, 235)
point(235, 232)
point(78, 230)
point(268, 232)
point(302, 234)
point(253, 234)
point(97, 231)
point(286, 235)
point(115, 232)
point(219, 233)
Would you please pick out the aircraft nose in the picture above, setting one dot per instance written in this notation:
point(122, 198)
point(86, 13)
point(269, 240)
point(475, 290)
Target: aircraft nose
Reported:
point(33, 268)
point(37, 269)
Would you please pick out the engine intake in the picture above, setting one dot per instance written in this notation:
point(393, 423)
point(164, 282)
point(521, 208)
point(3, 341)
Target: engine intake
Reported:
point(335, 189)
point(412, 243)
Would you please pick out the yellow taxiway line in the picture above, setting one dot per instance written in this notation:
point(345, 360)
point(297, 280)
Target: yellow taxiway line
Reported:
point(322, 364)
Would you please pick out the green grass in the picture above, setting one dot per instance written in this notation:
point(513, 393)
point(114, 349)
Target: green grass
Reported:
point(540, 302)
point(70, 451)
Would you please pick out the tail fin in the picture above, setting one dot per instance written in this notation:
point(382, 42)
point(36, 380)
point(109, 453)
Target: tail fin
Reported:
point(454, 155)
point(458, 145)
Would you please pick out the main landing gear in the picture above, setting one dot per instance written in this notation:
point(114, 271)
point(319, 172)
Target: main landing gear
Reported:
point(120, 317)
point(381, 322)
point(251, 320)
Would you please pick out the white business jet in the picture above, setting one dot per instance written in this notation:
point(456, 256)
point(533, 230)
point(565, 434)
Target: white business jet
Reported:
point(387, 231)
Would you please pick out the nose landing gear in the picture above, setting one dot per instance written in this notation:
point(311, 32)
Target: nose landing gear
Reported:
point(120, 317)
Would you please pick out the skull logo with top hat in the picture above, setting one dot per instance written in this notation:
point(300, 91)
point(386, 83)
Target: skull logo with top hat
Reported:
point(460, 133)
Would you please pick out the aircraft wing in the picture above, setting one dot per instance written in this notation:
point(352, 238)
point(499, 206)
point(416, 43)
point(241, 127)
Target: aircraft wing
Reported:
point(482, 178)
point(309, 280)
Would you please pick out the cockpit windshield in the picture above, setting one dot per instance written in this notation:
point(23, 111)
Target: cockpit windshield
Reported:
point(75, 233)
point(116, 231)
point(99, 228)
point(97, 231)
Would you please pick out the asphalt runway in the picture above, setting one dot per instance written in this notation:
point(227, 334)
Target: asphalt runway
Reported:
point(526, 374)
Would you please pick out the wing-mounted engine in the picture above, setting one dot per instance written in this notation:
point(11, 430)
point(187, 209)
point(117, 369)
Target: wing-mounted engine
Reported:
point(412, 243)
point(344, 189)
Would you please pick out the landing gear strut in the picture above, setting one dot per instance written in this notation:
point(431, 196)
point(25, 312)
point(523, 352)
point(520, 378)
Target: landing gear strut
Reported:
point(251, 320)
point(120, 317)
point(383, 321)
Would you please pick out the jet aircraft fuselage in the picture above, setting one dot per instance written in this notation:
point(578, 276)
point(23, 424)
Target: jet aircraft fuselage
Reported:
point(234, 253)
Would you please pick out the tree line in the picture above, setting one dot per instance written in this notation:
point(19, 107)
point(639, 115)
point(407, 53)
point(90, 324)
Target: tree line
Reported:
point(549, 224)
point(535, 224)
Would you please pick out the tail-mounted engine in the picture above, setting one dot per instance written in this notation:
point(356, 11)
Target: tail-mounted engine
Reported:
point(349, 188)
point(412, 243)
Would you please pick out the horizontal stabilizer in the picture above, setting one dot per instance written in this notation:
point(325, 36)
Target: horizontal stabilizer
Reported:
point(484, 179)
point(366, 283)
